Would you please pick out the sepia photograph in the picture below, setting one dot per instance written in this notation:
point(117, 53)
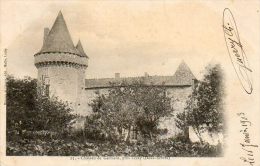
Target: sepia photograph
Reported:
point(129, 80)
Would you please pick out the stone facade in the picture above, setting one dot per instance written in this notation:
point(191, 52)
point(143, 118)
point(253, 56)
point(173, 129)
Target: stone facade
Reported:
point(179, 96)
point(61, 72)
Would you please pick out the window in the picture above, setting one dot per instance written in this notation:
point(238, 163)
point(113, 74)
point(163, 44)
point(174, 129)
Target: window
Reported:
point(134, 132)
point(47, 90)
point(45, 87)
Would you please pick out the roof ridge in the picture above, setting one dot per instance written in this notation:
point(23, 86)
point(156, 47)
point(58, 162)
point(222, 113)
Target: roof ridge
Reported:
point(150, 76)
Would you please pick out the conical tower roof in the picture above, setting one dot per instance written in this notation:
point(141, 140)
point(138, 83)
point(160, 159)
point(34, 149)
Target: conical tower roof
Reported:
point(59, 39)
point(183, 75)
point(81, 50)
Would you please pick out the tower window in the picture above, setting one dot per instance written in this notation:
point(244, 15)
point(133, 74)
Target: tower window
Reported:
point(47, 90)
point(134, 133)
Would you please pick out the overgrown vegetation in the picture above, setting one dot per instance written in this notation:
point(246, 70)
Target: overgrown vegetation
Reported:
point(66, 147)
point(204, 109)
point(28, 112)
point(129, 110)
point(42, 126)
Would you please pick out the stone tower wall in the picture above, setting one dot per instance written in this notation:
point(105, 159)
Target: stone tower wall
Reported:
point(65, 75)
point(80, 89)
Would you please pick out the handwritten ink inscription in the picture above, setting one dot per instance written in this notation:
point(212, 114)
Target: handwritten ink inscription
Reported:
point(246, 145)
point(236, 52)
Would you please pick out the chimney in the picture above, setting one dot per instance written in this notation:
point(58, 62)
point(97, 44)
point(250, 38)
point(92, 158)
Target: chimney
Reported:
point(146, 74)
point(117, 75)
point(46, 32)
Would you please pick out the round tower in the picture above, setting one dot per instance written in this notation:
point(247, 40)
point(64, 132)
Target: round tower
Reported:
point(61, 66)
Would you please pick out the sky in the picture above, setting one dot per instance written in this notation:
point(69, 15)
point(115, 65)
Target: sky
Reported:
point(130, 38)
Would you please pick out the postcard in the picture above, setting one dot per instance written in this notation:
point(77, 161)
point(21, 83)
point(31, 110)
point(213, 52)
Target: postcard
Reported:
point(130, 82)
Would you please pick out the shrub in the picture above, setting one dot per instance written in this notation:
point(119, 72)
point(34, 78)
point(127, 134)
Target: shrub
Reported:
point(160, 148)
point(26, 111)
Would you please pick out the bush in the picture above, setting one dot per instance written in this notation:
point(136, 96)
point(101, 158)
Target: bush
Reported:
point(28, 112)
point(68, 147)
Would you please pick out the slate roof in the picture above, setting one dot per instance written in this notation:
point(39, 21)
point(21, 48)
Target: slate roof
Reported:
point(182, 77)
point(59, 39)
point(80, 49)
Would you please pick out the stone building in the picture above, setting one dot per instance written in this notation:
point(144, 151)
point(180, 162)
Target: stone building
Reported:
point(61, 72)
point(61, 65)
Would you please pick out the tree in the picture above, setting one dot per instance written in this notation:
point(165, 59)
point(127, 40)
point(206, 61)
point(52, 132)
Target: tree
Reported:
point(181, 123)
point(132, 106)
point(27, 111)
point(205, 105)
